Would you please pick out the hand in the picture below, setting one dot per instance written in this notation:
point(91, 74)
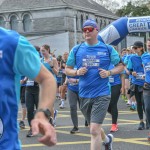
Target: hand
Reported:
point(134, 73)
point(43, 127)
point(82, 71)
point(51, 63)
point(104, 73)
point(122, 91)
point(72, 80)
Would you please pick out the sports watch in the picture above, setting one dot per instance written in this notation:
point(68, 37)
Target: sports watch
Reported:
point(47, 114)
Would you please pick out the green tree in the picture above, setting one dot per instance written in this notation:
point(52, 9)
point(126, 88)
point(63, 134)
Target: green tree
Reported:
point(132, 10)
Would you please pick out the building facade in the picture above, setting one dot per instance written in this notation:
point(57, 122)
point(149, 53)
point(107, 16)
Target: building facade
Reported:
point(54, 22)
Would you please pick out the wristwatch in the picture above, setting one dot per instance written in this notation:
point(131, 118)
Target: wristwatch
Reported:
point(46, 112)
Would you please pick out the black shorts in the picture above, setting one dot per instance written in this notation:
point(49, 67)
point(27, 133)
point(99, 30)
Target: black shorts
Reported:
point(22, 94)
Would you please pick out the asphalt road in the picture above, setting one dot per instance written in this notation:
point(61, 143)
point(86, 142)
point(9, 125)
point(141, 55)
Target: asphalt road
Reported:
point(126, 138)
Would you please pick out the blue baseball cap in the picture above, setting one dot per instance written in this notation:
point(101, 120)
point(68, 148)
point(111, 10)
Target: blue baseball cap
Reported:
point(90, 22)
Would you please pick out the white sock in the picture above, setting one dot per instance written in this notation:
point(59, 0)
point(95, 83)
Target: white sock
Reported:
point(106, 139)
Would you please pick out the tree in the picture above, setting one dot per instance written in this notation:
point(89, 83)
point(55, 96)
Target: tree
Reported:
point(133, 10)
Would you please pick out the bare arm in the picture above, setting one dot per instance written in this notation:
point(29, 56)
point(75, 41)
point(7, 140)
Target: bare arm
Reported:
point(116, 70)
point(55, 68)
point(47, 85)
point(71, 72)
point(40, 123)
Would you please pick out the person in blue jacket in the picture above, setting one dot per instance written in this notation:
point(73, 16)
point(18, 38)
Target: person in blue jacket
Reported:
point(19, 58)
point(92, 60)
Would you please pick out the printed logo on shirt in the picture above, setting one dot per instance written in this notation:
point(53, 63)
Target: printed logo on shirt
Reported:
point(1, 128)
point(101, 53)
point(147, 67)
point(1, 54)
point(91, 61)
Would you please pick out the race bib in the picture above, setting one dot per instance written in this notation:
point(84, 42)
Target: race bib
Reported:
point(91, 61)
point(30, 83)
point(111, 79)
point(147, 67)
point(140, 76)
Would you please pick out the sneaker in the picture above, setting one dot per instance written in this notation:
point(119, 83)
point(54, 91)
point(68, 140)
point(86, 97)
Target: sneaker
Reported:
point(141, 126)
point(22, 124)
point(108, 146)
point(114, 128)
point(74, 130)
point(133, 107)
point(128, 103)
point(148, 138)
point(147, 125)
point(62, 106)
point(29, 134)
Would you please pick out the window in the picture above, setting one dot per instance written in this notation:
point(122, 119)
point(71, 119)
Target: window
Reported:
point(2, 22)
point(26, 23)
point(81, 21)
point(13, 23)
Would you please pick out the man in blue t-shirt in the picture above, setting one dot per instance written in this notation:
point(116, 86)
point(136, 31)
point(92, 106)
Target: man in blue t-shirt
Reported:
point(92, 59)
point(18, 57)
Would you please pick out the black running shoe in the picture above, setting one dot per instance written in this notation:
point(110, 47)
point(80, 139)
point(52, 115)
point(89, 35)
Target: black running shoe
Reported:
point(22, 125)
point(141, 126)
point(29, 134)
point(74, 130)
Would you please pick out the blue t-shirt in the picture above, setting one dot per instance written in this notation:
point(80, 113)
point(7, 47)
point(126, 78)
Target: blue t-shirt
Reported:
point(135, 64)
point(93, 57)
point(73, 86)
point(146, 63)
point(114, 79)
point(17, 57)
point(47, 65)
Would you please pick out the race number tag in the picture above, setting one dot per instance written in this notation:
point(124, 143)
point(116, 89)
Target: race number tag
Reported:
point(91, 61)
point(30, 83)
point(140, 76)
point(111, 79)
point(147, 67)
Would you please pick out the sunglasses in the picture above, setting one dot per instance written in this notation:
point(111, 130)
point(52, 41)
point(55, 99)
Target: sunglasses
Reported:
point(136, 47)
point(90, 29)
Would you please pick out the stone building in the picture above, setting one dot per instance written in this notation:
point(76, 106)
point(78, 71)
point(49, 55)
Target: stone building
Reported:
point(54, 22)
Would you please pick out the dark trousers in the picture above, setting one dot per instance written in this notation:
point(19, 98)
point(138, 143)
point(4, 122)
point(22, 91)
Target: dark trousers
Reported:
point(113, 109)
point(139, 100)
point(73, 98)
point(146, 96)
point(32, 100)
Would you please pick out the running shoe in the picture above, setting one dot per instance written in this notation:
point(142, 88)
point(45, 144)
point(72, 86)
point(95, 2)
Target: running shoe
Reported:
point(29, 134)
point(114, 128)
point(62, 105)
point(141, 126)
point(108, 146)
point(22, 124)
point(74, 130)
